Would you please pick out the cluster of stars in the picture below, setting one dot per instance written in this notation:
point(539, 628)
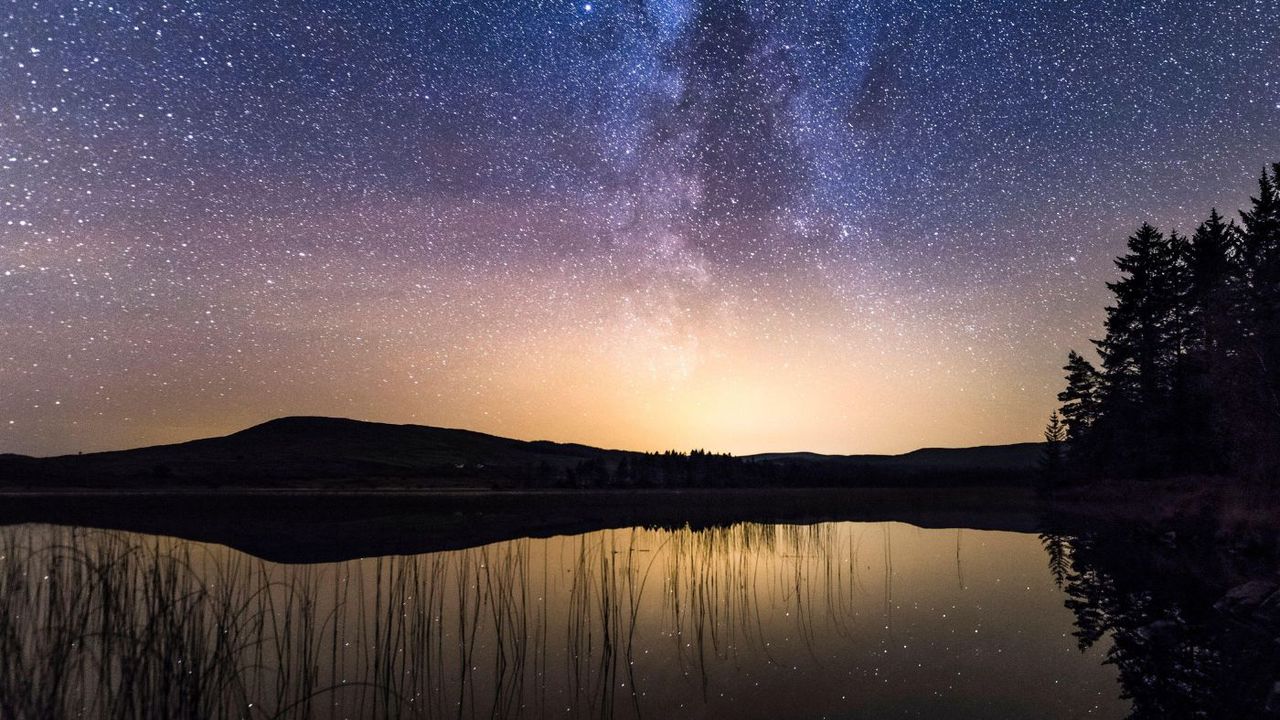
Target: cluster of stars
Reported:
point(858, 226)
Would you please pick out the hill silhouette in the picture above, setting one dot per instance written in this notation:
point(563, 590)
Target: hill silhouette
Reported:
point(325, 452)
point(1021, 457)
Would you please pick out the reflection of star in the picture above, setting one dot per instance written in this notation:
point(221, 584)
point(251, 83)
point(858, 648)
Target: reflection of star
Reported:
point(586, 8)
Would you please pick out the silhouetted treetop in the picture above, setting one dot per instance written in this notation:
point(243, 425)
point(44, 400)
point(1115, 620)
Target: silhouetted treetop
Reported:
point(1189, 381)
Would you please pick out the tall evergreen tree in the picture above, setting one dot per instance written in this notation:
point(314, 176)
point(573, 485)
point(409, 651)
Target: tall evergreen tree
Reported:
point(1053, 458)
point(1175, 289)
point(1209, 271)
point(1139, 346)
point(1190, 373)
point(1196, 429)
point(1082, 398)
point(1260, 243)
point(1259, 272)
point(1256, 396)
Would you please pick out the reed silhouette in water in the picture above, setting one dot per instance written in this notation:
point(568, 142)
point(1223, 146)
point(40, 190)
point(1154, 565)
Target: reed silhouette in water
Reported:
point(104, 624)
point(623, 623)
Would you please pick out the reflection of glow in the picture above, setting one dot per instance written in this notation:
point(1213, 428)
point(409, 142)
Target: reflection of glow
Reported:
point(758, 620)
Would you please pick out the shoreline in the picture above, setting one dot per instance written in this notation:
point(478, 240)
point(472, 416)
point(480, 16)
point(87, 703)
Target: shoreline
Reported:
point(326, 525)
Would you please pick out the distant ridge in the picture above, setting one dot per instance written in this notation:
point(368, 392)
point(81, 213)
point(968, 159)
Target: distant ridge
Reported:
point(1015, 456)
point(328, 452)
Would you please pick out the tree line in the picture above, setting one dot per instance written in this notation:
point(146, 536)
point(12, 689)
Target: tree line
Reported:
point(1188, 374)
point(703, 469)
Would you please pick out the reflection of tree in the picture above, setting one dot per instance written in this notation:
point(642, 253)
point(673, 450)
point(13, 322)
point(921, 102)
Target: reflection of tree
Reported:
point(1055, 545)
point(1177, 657)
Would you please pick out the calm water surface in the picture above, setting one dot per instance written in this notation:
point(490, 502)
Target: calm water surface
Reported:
point(838, 620)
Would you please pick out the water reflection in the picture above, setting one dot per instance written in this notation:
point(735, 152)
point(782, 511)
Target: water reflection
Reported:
point(838, 619)
point(1161, 605)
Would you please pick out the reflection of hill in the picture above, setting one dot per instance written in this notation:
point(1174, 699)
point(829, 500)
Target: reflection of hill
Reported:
point(743, 621)
point(332, 452)
point(309, 526)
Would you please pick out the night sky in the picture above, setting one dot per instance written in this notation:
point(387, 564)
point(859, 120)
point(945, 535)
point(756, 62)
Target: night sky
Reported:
point(833, 226)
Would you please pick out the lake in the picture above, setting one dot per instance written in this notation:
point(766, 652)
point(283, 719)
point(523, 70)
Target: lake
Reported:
point(748, 620)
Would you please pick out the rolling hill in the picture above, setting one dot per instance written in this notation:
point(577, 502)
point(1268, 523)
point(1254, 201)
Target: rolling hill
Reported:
point(336, 453)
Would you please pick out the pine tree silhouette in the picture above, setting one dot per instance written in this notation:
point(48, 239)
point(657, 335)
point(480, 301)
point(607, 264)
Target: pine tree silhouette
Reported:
point(1082, 398)
point(1190, 372)
point(1053, 458)
point(1257, 311)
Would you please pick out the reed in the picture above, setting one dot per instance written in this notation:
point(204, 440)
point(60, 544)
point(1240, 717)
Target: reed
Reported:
point(102, 624)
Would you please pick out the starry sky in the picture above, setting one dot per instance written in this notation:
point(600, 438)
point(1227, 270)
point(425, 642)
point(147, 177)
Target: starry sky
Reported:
point(745, 226)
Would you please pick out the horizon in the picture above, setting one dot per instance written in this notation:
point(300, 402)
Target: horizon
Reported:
point(640, 359)
point(854, 229)
point(521, 439)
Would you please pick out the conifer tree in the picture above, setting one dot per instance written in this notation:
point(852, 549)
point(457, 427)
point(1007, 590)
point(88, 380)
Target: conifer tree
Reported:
point(1260, 242)
point(1190, 373)
point(1055, 437)
point(1255, 410)
point(1209, 271)
point(1196, 430)
point(1139, 352)
point(1081, 400)
point(1139, 345)
point(1174, 291)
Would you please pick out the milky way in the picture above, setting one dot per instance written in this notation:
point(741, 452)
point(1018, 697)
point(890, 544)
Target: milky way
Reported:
point(845, 227)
